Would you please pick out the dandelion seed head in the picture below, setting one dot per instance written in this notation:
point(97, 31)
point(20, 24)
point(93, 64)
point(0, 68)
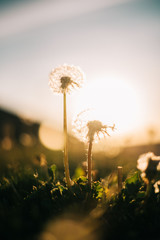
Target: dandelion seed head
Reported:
point(65, 78)
point(149, 165)
point(95, 128)
point(89, 130)
point(157, 186)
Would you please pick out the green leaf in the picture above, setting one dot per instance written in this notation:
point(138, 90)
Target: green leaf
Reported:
point(133, 179)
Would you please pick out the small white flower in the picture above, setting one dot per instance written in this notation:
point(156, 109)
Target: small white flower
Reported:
point(157, 186)
point(143, 160)
point(149, 165)
point(64, 78)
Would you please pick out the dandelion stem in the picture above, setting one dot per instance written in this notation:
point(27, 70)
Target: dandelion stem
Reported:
point(90, 162)
point(66, 164)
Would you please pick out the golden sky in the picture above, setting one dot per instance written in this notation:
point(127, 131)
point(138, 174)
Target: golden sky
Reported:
point(116, 45)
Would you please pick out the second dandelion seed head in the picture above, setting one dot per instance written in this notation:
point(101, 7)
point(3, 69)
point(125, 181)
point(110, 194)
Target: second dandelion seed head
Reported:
point(90, 130)
point(95, 128)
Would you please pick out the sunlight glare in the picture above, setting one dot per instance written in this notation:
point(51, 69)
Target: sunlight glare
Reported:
point(113, 101)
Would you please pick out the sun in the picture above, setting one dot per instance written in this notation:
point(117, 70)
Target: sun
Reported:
point(113, 101)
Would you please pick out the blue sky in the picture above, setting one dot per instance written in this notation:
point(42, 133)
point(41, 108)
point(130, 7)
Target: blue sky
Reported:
point(108, 41)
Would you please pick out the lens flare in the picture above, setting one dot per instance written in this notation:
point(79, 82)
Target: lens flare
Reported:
point(50, 138)
point(113, 101)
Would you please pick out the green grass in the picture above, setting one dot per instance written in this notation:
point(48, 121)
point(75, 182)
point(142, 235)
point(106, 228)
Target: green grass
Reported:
point(28, 203)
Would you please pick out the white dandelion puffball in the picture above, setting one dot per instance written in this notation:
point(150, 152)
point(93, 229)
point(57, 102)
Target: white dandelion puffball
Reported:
point(89, 130)
point(149, 165)
point(65, 78)
point(157, 186)
point(143, 161)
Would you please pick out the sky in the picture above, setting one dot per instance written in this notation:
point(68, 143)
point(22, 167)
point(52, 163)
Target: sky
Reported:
point(116, 44)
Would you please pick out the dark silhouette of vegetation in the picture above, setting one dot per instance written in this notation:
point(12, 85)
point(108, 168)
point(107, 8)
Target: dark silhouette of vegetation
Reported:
point(32, 194)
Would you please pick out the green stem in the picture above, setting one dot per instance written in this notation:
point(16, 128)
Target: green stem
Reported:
point(66, 164)
point(90, 163)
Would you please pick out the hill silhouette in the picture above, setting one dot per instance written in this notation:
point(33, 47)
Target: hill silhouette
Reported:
point(20, 144)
